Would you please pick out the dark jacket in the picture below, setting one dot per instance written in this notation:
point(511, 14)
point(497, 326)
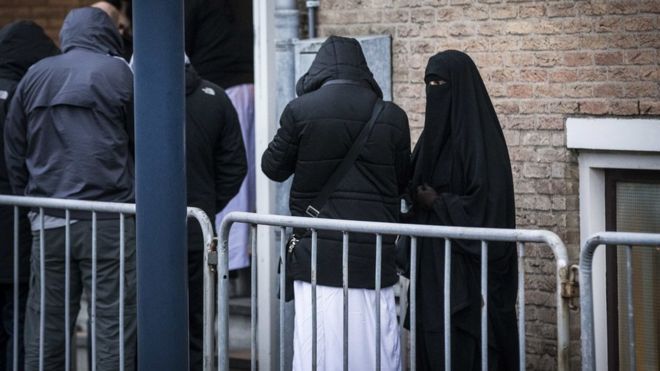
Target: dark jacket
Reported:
point(219, 40)
point(317, 130)
point(22, 44)
point(69, 131)
point(215, 155)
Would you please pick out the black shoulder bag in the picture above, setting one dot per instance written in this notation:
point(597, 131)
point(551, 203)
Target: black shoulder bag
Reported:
point(316, 206)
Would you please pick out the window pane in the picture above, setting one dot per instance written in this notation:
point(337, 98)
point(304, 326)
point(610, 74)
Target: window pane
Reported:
point(638, 210)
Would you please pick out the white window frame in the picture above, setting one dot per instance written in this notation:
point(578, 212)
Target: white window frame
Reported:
point(607, 143)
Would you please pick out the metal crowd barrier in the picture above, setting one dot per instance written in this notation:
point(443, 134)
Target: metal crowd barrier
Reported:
point(379, 229)
point(94, 207)
point(628, 240)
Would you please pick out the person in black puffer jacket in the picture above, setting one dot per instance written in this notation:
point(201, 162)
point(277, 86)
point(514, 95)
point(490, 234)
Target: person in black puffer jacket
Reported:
point(22, 44)
point(317, 130)
point(215, 168)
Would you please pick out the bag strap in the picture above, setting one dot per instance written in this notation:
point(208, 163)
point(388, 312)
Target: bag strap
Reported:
point(315, 207)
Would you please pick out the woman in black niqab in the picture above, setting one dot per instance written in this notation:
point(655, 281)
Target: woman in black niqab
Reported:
point(462, 177)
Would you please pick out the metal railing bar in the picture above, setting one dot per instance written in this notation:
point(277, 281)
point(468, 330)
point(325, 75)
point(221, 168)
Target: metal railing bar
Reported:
point(314, 312)
point(413, 303)
point(16, 289)
point(379, 268)
point(67, 289)
point(444, 232)
point(447, 302)
point(93, 301)
point(631, 312)
point(344, 270)
point(282, 302)
point(42, 291)
point(484, 307)
point(417, 230)
point(253, 298)
point(122, 293)
point(223, 321)
point(62, 204)
point(209, 288)
point(521, 304)
point(586, 283)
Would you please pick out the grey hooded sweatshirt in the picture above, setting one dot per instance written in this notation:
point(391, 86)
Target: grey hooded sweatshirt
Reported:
point(69, 131)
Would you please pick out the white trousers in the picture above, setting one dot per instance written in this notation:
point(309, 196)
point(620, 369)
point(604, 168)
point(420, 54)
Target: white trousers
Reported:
point(329, 333)
point(242, 97)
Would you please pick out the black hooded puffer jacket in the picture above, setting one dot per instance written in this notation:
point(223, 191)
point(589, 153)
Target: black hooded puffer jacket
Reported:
point(22, 43)
point(69, 131)
point(317, 130)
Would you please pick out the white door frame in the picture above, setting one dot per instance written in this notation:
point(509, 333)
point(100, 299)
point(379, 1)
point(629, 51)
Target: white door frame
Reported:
point(607, 143)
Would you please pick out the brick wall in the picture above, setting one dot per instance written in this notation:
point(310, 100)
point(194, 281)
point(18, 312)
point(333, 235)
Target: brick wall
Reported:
point(542, 62)
point(49, 14)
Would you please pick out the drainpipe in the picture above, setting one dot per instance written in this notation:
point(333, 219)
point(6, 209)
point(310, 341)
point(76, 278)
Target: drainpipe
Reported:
point(311, 17)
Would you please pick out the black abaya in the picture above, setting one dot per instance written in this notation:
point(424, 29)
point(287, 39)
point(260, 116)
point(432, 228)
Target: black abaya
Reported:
point(462, 154)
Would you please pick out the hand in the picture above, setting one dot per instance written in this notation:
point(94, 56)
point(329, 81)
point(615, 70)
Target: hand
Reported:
point(426, 196)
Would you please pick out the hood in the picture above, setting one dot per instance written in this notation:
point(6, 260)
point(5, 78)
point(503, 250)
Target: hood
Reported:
point(91, 29)
point(22, 44)
point(338, 58)
point(192, 79)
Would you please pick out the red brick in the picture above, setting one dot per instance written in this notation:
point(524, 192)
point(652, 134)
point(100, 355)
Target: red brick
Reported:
point(563, 75)
point(490, 29)
point(449, 14)
point(423, 15)
point(547, 59)
point(395, 16)
point(599, 107)
point(646, 23)
point(648, 40)
point(652, 6)
point(608, 58)
point(578, 90)
point(650, 107)
point(561, 10)
point(520, 91)
point(610, 24)
point(503, 11)
point(631, 73)
point(640, 56)
point(608, 90)
point(533, 75)
point(548, 91)
point(644, 89)
point(624, 107)
point(578, 59)
point(531, 10)
point(551, 122)
point(408, 30)
point(476, 12)
point(461, 29)
point(564, 106)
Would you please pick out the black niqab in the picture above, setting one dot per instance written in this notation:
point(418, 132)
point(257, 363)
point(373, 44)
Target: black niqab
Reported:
point(462, 154)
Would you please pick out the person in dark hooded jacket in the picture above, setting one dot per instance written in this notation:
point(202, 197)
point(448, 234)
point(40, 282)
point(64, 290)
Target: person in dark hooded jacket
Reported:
point(336, 98)
point(22, 43)
point(69, 134)
point(215, 168)
point(462, 177)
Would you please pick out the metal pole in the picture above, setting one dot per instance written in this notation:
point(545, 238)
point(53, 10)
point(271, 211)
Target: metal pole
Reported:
point(311, 17)
point(160, 185)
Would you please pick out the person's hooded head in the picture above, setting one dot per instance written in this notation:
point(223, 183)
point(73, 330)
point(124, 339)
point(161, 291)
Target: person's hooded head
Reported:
point(22, 44)
point(339, 58)
point(90, 29)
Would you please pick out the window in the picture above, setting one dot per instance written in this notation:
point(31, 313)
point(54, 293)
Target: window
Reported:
point(633, 205)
